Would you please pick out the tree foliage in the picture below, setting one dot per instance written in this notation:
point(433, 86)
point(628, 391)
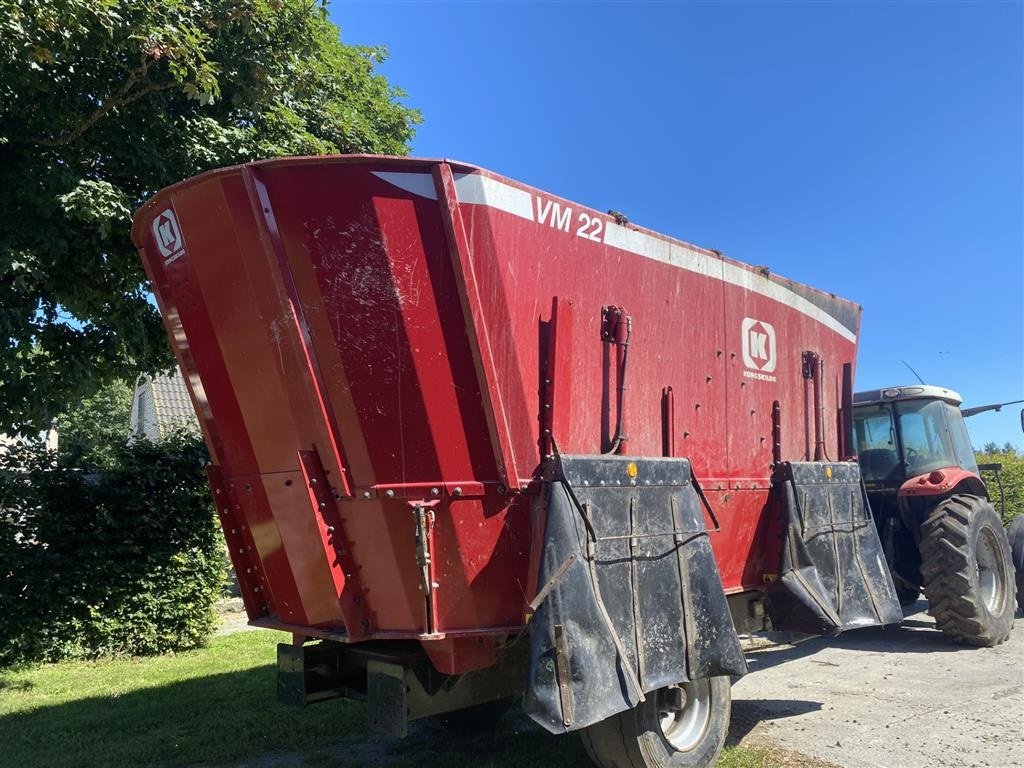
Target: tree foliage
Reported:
point(1006, 489)
point(102, 103)
point(92, 432)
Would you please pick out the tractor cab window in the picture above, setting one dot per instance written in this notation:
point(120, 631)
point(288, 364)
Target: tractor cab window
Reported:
point(928, 441)
point(875, 434)
point(961, 440)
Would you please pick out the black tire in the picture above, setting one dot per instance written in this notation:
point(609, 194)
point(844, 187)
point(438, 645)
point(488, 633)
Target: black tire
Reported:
point(637, 739)
point(968, 574)
point(1015, 535)
point(481, 718)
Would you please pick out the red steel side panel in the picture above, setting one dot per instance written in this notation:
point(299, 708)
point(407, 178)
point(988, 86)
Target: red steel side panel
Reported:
point(693, 315)
point(478, 333)
point(362, 335)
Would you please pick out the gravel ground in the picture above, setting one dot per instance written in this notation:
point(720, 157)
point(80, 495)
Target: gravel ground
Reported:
point(231, 617)
point(873, 698)
point(889, 698)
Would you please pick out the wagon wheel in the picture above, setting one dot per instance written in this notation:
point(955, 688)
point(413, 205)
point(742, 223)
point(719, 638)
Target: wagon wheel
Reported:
point(680, 726)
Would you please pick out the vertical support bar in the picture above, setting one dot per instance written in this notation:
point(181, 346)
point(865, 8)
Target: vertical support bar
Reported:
point(668, 422)
point(617, 329)
point(247, 569)
point(270, 235)
point(846, 444)
point(558, 378)
point(820, 454)
point(807, 406)
point(776, 433)
point(354, 609)
point(813, 370)
point(476, 327)
point(423, 518)
point(623, 331)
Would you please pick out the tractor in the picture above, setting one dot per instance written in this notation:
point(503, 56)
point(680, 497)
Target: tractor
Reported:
point(939, 530)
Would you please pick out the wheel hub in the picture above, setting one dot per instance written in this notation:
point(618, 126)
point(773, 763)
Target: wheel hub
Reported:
point(685, 712)
point(990, 568)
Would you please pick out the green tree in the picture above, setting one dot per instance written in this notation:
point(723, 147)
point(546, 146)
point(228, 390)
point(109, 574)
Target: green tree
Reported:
point(102, 103)
point(92, 433)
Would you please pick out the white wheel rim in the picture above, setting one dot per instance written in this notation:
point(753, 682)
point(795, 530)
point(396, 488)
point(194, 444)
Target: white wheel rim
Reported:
point(990, 565)
point(684, 728)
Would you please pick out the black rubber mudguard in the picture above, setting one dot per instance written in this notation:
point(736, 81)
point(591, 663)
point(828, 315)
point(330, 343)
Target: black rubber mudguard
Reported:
point(832, 575)
point(629, 597)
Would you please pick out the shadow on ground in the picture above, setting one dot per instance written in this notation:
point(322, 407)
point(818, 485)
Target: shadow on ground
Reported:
point(200, 720)
point(232, 720)
point(917, 634)
point(516, 742)
point(747, 714)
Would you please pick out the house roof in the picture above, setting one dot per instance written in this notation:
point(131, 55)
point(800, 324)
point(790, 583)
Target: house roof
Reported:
point(172, 402)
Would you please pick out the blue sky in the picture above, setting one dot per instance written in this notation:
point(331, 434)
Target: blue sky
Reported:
point(871, 149)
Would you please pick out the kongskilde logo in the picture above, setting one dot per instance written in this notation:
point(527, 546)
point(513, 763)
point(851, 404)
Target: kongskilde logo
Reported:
point(759, 349)
point(167, 234)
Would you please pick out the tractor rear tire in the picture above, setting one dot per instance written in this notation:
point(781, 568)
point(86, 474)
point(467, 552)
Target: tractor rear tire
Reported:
point(657, 733)
point(1015, 534)
point(968, 573)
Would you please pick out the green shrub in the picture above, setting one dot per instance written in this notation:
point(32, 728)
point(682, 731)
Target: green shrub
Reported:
point(126, 561)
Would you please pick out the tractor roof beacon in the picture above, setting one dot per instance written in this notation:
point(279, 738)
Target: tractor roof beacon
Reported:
point(939, 531)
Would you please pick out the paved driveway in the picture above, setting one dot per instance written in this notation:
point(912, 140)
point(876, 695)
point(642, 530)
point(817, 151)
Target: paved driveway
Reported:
point(889, 698)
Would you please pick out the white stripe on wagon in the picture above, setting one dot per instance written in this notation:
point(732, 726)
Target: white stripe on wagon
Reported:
point(469, 188)
point(477, 189)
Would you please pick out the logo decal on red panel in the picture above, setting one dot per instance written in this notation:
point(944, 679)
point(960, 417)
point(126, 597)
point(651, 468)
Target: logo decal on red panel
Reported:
point(167, 235)
point(760, 351)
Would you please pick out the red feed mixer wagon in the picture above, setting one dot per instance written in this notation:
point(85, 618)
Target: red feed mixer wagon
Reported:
point(471, 441)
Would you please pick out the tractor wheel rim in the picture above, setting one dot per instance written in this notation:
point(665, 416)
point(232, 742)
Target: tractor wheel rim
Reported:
point(990, 571)
point(684, 728)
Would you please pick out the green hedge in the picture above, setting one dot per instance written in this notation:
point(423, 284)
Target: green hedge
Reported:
point(127, 561)
point(1010, 502)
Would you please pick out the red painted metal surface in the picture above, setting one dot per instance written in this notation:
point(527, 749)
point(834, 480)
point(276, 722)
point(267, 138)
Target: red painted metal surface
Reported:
point(941, 482)
point(364, 336)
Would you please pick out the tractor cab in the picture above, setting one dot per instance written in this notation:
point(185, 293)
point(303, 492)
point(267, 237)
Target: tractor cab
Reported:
point(914, 433)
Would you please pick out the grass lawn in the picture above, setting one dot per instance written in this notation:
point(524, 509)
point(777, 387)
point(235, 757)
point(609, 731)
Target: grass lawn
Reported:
point(217, 706)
